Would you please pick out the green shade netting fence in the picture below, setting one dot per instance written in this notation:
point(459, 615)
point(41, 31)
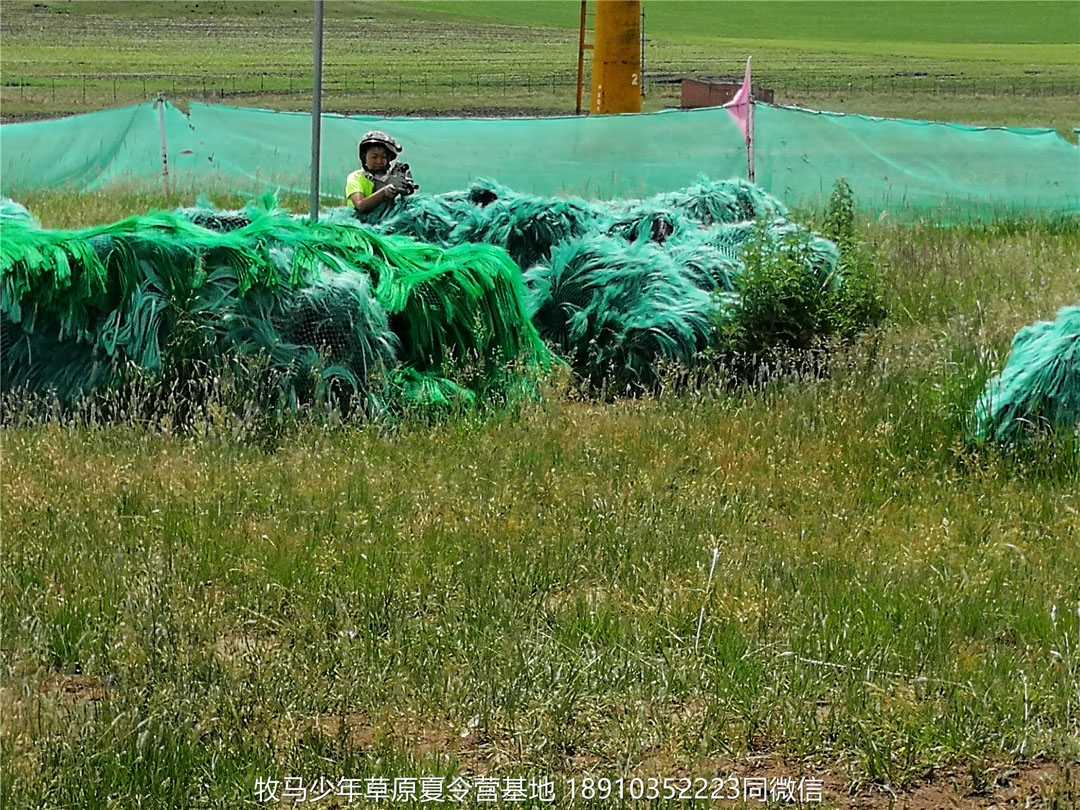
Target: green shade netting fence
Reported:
point(908, 168)
point(917, 168)
point(88, 151)
point(619, 289)
point(1040, 387)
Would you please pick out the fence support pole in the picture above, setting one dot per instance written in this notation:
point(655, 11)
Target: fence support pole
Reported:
point(316, 112)
point(750, 142)
point(581, 59)
point(160, 104)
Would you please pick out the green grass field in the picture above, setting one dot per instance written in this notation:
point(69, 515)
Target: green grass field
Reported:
point(529, 593)
point(898, 59)
point(856, 22)
point(817, 578)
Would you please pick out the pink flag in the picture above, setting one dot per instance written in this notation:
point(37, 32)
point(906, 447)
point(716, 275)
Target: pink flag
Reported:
point(739, 107)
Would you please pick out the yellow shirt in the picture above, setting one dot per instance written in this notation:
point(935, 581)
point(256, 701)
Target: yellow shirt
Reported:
point(357, 182)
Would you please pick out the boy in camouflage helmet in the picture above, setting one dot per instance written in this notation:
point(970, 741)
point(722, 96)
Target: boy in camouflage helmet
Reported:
point(367, 188)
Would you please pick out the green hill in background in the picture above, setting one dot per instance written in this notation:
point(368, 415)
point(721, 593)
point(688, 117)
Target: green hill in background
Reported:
point(929, 22)
point(983, 63)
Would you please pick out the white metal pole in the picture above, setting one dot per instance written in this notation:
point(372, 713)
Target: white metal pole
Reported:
point(750, 141)
point(316, 113)
point(164, 144)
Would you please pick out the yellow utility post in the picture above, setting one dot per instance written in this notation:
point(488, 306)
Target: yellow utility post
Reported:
point(616, 77)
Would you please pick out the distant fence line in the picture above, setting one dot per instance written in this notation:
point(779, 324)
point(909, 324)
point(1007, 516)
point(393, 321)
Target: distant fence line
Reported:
point(143, 86)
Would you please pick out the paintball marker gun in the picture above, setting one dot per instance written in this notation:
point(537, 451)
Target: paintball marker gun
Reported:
point(400, 177)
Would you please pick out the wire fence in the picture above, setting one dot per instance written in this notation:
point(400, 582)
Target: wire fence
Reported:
point(96, 88)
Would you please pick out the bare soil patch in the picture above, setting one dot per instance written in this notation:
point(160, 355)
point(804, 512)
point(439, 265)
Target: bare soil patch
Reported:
point(1036, 784)
point(77, 688)
point(233, 646)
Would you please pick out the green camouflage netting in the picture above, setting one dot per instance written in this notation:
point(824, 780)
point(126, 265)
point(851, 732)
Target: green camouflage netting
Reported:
point(436, 298)
point(1039, 390)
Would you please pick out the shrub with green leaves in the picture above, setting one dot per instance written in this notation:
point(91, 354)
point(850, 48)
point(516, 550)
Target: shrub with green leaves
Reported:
point(857, 302)
point(798, 289)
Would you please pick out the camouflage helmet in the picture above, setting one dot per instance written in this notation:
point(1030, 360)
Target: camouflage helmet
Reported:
point(378, 138)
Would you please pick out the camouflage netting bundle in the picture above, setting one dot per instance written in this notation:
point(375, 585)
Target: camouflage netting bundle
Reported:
point(343, 309)
point(622, 289)
point(615, 309)
point(359, 308)
point(1039, 389)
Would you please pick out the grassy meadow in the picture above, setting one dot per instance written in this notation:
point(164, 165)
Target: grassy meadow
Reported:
point(534, 593)
point(1001, 63)
point(815, 577)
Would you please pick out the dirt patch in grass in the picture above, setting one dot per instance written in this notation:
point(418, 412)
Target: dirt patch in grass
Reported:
point(1037, 784)
point(1034, 784)
point(236, 645)
point(33, 706)
point(78, 688)
point(420, 740)
point(354, 729)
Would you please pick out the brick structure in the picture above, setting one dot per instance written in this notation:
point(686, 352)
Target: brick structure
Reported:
point(705, 93)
